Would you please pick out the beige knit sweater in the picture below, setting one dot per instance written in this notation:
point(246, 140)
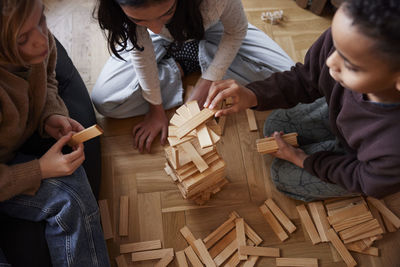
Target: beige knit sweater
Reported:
point(24, 106)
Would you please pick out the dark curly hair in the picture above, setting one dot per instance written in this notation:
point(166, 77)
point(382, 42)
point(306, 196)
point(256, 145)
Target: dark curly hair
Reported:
point(187, 22)
point(379, 20)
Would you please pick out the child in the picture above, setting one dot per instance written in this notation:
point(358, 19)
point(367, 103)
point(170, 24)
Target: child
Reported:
point(351, 145)
point(145, 74)
point(29, 102)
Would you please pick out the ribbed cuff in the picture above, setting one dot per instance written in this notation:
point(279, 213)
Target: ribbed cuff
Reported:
point(27, 177)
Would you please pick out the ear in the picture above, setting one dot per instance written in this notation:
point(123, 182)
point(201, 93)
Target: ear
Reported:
point(398, 82)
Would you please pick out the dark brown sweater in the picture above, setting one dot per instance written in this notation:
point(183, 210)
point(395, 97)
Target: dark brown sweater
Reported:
point(369, 132)
point(24, 106)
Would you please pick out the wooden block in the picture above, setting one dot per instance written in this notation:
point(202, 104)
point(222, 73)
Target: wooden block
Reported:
point(250, 233)
point(318, 214)
point(259, 251)
point(105, 219)
point(347, 213)
point(85, 135)
point(372, 251)
point(284, 220)
point(195, 156)
point(226, 253)
point(359, 229)
point(202, 131)
point(352, 221)
point(268, 145)
point(214, 136)
point(218, 233)
point(177, 120)
point(140, 246)
point(308, 224)
point(370, 233)
point(221, 124)
point(123, 215)
point(240, 236)
point(251, 261)
point(165, 261)
point(175, 141)
point(204, 255)
point(388, 214)
point(276, 227)
point(341, 249)
point(189, 237)
point(194, 260)
point(184, 111)
point(121, 262)
point(251, 118)
point(195, 121)
point(169, 172)
point(233, 261)
point(388, 225)
point(213, 126)
point(223, 243)
point(342, 204)
point(175, 157)
point(152, 254)
point(308, 262)
point(378, 217)
point(181, 259)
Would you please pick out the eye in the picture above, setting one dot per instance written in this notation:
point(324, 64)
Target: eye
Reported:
point(22, 39)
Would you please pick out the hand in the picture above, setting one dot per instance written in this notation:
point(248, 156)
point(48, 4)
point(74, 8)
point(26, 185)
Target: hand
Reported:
point(242, 97)
point(289, 152)
point(55, 164)
point(200, 91)
point(57, 126)
point(145, 132)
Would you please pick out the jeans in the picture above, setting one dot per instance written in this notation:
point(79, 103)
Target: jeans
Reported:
point(73, 230)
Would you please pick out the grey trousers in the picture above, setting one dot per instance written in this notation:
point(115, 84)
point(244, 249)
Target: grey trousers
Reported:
point(311, 122)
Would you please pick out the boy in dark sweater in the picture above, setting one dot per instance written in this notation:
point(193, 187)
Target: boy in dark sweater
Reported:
point(349, 139)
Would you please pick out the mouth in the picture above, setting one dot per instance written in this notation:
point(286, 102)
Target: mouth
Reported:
point(44, 53)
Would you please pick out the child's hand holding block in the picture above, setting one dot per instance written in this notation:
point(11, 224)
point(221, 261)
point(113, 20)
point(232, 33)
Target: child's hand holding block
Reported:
point(268, 145)
point(85, 135)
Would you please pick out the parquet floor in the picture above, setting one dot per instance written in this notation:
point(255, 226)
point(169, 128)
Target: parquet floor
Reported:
point(156, 208)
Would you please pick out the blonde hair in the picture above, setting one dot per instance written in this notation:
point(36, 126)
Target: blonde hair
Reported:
point(13, 14)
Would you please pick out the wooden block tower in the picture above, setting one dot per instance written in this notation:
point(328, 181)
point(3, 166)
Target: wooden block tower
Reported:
point(192, 159)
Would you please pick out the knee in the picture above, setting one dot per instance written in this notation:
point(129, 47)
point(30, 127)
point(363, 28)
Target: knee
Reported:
point(105, 107)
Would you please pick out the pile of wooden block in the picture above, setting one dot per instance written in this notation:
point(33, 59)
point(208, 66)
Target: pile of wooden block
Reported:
point(192, 159)
point(231, 243)
point(268, 145)
point(350, 224)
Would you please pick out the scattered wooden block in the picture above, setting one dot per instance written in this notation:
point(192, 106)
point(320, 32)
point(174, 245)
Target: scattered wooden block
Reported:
point(268, 145)
point(306, 262)
point(181, 259)
point(372, 251)
point(204, 255)
point(371, 233)
point(347, 213)
point(334, 207)
point(250, 233)
point(251, 118)
point(251, 261)
point(105, 219)
point(165, 261)
point(189, 237)
point(240, 236)
point(223, 243)
point(140, 246)
point(276, 227)
point(259, 251)
point(218, 233)
point(308, 224)
point(152, 254)
point(192, 257)
point(341, 249)
point(388, 214)
point(284, 220)
point(375, 213)
point(233, 261)
point(319, 216)
point(121, 262)
point(359, 229)
point(123, 215)
point(352, 221)
point(85, 135)
point(226, 253)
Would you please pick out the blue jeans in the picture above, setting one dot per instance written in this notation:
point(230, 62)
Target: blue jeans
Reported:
point(73, 229)
point(311, 122)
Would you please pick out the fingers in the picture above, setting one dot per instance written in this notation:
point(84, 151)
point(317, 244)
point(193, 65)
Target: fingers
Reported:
point(164, 134)
point(137, 136)
point(142, 140)
point(62, 142)
point(279, 140)
point(149, 140)
point(215, 88)
point(75, 155)
point(65, 124)
point(76, 126)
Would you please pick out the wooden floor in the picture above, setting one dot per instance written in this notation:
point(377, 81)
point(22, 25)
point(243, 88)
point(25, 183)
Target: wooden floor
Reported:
point(157, 210)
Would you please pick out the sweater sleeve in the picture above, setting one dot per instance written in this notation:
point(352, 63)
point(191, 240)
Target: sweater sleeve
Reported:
point(235, 24)
point(298, 85)
point(24, 178)
point(54, 104)
point(145, 65)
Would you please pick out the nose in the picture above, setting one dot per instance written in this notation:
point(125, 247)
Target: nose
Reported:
point(40, 37)
point(333, 62)
point(155, 26)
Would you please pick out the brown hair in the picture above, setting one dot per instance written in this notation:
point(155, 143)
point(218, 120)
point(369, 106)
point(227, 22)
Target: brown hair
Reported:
point(13, 14)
